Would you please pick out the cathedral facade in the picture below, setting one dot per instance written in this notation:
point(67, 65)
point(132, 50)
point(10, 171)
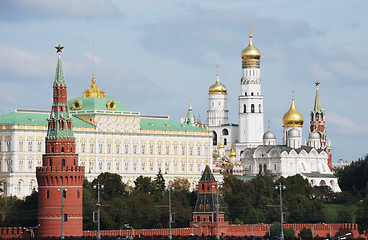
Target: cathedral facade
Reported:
point(244, 149)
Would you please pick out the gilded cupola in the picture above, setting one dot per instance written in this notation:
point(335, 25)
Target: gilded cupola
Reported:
point(217, 88)
point(232, 154)
point(250, 53)
point(293, 117)
point(94, 91)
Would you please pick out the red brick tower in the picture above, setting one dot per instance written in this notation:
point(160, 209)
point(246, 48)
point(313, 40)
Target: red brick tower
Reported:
point(207, 205)
point(318, 124)
point(60, 179)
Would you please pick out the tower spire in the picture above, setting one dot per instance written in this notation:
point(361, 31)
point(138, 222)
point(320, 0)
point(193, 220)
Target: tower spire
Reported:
point(317, 102)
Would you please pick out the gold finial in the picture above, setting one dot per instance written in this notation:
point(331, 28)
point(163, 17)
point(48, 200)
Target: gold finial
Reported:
point(250, 29)
point(93, 59)
point(293, 92)
point(217, 66)
point(190, 103)
point(269, 129)
point(59, 49)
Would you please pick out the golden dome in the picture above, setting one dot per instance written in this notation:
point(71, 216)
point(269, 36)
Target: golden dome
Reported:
point(217, 88)
point(94, 91)
point(232, 154)
point(220, 146)
point(293, 117)
point(250, 52)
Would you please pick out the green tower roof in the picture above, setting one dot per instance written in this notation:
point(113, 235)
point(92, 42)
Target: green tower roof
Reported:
point(207, 175)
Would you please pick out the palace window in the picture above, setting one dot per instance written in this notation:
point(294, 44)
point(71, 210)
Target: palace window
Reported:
point(175, 149)
point(109, 148)
point(183, 149)
point(117, 148)
point(191, 150)
point(100, 148)
point(100, 166)
point(126, 148)
point(159, 149)
point(143, 149)
point(134, 148)
point(151, 148)
point(30, 165)
point(117, 166)
point(39, 146)
point(143, 166)
point(151, 166)
point(252, 108)
point(83, 150)
point(198, 150)
point(91, 147)
point(167, 149)
point(21, 146)
point(108, 166)
point(8, 146)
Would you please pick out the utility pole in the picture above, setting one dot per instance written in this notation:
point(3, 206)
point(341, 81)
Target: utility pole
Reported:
point(281, 187)
point(98, 186)
point(63, 190)
point(170, 217)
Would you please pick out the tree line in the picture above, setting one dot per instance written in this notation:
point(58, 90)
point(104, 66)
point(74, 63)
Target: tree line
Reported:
point(244, 202)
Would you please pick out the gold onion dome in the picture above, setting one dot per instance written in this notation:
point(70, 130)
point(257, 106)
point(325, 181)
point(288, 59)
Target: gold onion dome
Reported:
point(220, 146)
point(250, 52)
point(94, 91)
point(232, 154)
point(217, 88)
point(293, 117)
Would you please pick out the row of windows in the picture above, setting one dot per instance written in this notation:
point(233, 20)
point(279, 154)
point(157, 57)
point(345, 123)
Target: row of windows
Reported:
point(30, 146)
point(167, 149)
point(252, 108)
point(19, 187)
point(166, 167)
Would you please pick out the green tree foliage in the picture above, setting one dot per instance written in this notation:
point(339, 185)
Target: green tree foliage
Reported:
point(362, 216)
point(289, 233)
point(160, 181)
point(354, 178)
point(344, 215)
point(306, 234)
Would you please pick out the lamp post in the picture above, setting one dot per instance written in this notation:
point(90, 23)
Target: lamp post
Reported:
point(63, 190)
point(198, 226)
point(98, 186)
point(217, 205)
point(170, 217)
point(281, 187)
point(126, 225)
point(328, 226)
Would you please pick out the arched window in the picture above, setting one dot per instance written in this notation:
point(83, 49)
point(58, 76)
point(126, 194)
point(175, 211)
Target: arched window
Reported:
point(214, 138)
point(52, 149)
point(260, 168)
point(251, 93)
point(198, 218)
point(244, 108)
point(62, 149)
point(245, 94)
point(50, 161)
point(225, 132)
point(264, 167)
point(252, 108)
point(225, 141)
point(260, 108)
point(63, 162)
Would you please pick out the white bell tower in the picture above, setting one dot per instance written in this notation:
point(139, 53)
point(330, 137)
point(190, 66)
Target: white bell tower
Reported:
point(251, 127)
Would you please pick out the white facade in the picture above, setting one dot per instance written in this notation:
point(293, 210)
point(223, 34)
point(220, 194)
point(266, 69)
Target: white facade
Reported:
point(285, 161)
point(217, 113)
point(251, 126)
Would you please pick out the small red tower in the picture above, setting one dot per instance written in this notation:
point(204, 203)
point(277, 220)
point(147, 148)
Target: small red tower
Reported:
point(318, 124)
point(60, 179)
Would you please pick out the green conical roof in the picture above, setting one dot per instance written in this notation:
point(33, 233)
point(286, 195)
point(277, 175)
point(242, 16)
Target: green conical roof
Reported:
point(207, 175)
point(59, 76)
point(317, 102)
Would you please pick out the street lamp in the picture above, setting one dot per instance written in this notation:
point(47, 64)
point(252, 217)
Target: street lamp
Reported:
point(170, 216)
point(217, 205)
point(63, 194)
point(197, 226)
point(98, 186)
point(281, 187)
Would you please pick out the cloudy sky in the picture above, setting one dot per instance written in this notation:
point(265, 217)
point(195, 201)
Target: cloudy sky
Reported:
point(155, 56)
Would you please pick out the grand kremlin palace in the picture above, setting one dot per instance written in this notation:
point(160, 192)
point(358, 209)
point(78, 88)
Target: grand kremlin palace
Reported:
point(109, 138)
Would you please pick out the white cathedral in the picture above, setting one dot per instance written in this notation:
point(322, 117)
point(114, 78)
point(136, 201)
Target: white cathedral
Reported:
point(244, 149)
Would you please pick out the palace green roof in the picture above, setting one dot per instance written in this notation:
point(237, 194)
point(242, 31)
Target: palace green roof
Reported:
point(41, 118)
point(96, 103)
point(35, 118)
point(167, 124)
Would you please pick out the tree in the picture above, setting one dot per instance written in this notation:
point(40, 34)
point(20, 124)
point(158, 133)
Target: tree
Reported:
point(181, 184)
point(160, 181)
point(362, 216)
point(289, 233)
point(344, 215)
point(306, 234)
